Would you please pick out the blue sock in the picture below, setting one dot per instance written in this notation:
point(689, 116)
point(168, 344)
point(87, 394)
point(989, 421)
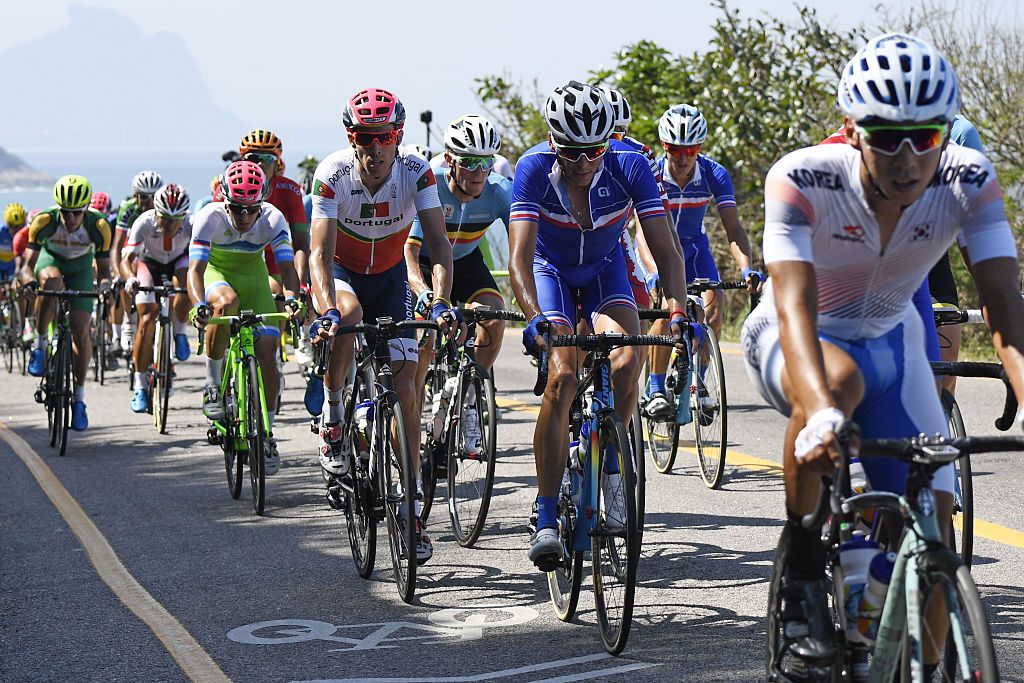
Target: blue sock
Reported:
point(611, 460)
point(657, 384)
point(547, 512)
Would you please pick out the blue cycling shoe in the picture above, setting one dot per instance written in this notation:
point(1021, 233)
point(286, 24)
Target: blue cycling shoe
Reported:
point(79, 418)
point(140, 401)
point(314, 398)
point(181, 348)
point(37, 362)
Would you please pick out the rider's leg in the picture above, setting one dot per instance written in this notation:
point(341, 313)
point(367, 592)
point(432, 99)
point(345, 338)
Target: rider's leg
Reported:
point(50, 279)
point(625, 360)
point(223, 301)
point(491, 333)
point(181, 306)
point(550, 437)
point(342, 351)
point(82, 344)
point(142, 352)
point(714, 304)
point(267, 346)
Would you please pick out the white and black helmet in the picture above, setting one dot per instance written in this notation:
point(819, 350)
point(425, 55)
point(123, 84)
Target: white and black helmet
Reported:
point(473, 135)
point(899, 78)
point(682, 124)
point(172, 200)
point(146, 182)
point(623, 114)
point(579, 114)
point(418, 149)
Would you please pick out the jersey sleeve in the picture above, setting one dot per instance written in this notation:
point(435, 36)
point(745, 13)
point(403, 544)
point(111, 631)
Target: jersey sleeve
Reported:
point(281, 237)
point(527, 189)
point(984, 227)
point(503, 201)
point(788, 217)
point(202, 232)
point(102, 237)
point(20, 242)
point(134, 245)
point(325, 191)
point(963, 133)
point(415, 233)
point(721, 186)
point(426, 190)
point(293, 209)
point(40, 229)
point(125, 215)
point(642, 187)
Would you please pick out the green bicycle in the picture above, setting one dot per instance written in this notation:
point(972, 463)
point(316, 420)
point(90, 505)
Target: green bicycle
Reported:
point(244, 430)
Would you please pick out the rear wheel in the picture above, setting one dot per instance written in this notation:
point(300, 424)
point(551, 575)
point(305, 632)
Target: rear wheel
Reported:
point(636, 443)
point(663, 438)
point(66, 391)
point(433, 455)
point(256, 435)
point(100, 349)
point(234, 461)
point(471, 475)
point(394, 463)
point(360, 501)
point(964, 493)
point(710, 411)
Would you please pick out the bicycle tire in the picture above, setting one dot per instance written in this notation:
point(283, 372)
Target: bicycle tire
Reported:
point(66, 392)
point(965, 505)
point(360, 522)
point(255, 434)
point(50, 394)
point(710, 412)
point(162, 377)
point(399, 490)
point(615, 552)
point(428, 472)
point(469, 497)
point(663, 438)
point(6, 337)
point(234, 460)
point(565, 580)
point(775, 650)
point(100, 350)
point(636, 442)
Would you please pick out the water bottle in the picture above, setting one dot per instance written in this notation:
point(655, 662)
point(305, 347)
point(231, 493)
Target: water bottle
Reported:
point(858, 479)
point(855, 558)
point(441, 405)
point(684, 415)
point(873, 598)
point(364, 416)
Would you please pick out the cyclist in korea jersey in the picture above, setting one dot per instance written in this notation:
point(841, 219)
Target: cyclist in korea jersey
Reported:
point(65, 244)
point(156, 253)
point(850, 232)
point(472, 197)
point(364, 201)
point(227, 274)
point(144, 187)
point(571, 196)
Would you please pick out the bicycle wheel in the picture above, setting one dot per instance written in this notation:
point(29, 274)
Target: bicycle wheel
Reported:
point(399, 487)
point(663, 438)
point(51, 388)
point(99, 349)
point(565, 580)
point(66, 391)
point(234, 461)
point(360, 496)
point(636, 443)
point(17, 324)
point(432, 454)
point(615, 546)
point(710, 412)
point(255, 434)
point(471, 475)
point(964, 495)
point(965, 648)
point(162, 378)
point(6, 325)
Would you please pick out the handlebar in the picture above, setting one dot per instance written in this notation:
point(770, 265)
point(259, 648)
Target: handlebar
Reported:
point(986, 370)
point(68, 293)
point(955, 316)
point(476, 314)
point(609, 340)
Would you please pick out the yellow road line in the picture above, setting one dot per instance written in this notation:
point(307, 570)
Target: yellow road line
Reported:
point(982, 529)
point(189, 654)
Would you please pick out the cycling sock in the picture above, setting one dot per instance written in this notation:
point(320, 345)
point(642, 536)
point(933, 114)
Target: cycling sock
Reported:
point(178, 325)
point(806, 557)
point(271, 414)
point(335, 411)
point(140, 380)
point(79, 392)
point(117, 330)
point(611, 460)
point(40, 342)
point(214, 371)
point(547, 512)
point(657, 384)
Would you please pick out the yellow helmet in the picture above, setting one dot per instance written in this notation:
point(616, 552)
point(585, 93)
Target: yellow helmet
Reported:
point(14, 215)
point(260, 140)
point(72, 192)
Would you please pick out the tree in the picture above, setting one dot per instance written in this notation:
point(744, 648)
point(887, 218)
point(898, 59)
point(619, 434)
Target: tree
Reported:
point(515, 110)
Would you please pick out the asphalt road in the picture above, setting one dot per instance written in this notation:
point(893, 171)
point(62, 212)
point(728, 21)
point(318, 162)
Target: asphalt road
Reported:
point(277, 598)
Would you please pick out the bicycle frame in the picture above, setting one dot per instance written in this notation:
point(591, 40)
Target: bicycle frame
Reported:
point(585, 491)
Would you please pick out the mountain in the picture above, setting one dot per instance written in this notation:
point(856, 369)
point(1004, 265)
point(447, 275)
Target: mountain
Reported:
point(101, 83)
point(15, 173)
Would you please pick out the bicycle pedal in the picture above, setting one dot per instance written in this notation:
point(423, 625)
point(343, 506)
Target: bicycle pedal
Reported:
point(39, 396)
point(334, 497)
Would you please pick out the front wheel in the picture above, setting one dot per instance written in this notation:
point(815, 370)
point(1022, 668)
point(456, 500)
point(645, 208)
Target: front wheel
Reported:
point(255, 434)
point(394, 462)
point(710, 411)
point(234, 461)
point(162, 378)
point(66, 391)
point(636, 442)
point(471, 465)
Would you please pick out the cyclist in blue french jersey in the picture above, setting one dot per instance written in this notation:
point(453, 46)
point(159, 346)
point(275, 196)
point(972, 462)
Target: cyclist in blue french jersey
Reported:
point(571, 196)
point(692, 180)
point(472, 197)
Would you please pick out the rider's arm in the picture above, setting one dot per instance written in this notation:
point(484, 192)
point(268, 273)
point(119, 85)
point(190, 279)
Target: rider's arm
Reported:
point(413, 244)
point(1003, 308)
point(196, 286)
point(435, 235)
point(669, 264)
point(522, 244)
point(124, 264)
point(739, 242)
point(322, 235)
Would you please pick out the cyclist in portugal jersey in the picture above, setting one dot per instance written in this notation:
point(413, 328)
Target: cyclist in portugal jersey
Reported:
point(571, 196)
point(364, 201)
point(850, 233)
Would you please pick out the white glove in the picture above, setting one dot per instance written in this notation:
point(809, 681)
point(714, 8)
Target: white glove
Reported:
point(821, 423)
point(131, 284)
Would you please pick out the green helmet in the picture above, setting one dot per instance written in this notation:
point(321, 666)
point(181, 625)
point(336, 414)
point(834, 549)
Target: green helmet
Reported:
point(72, 192)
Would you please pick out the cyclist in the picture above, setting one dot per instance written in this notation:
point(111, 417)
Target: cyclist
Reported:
point(472, 197)
point(692, 180)
point(14, 220)
point(144, 187)
point(155, 253)
point(63, 244)
point(364, 200)
point(850, 233)
point(571, 195)
point(227, 274)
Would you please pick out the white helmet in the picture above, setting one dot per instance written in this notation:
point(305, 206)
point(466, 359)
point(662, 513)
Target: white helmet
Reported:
point(682, 124)
point(899, 78)
point(146, 182)
point(473, 135)
point(620, 105)
point(579, 114)
point(418, 149)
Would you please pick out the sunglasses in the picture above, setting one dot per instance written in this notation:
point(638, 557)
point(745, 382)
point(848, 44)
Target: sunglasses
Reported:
point(887, 140)
point(680, 150)
point(173, 219)
point(244, 209)
point(365, 139)
point(576, 153)
point(261, 158)
point(72, 212)
point(474, 163)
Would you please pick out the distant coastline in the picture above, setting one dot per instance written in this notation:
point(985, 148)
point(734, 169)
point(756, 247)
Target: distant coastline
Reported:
point(16, 175)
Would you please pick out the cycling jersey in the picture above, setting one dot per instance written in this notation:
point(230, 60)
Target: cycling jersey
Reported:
point(20, 242)
point(467, 222)
point(286, 195)
point(6, 253)
point(147, 241)
point(127, 213)
point(372, 228)
point(47, 232)
point(687, 205)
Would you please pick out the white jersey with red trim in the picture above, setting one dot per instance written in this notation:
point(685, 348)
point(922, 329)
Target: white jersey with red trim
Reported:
point(146, 239)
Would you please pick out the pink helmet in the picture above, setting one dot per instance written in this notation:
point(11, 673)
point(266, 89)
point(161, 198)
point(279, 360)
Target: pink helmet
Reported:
point(243, 183)
point(32, 214)
point(373, 107)
point(100, 202)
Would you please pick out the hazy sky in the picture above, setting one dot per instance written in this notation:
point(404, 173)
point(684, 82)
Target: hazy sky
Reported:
point(295, 62)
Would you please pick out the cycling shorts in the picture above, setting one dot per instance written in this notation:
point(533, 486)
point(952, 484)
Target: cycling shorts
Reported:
point(383, 295)
point(471, 278)
point(604, 285)
point(900, 398)
point(942, 284)
point(699, 261)
point(150, 273)
point(251, 288)
point(77, 273)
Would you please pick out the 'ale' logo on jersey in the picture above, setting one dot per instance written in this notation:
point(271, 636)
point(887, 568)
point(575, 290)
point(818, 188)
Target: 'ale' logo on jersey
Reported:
point(375, 210)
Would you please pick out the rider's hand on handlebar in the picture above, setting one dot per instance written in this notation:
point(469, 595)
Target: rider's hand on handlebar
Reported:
point(326, 326)
point(131, 285)
point(294, 306)
point(754, 280)
point(422, 307)
point(533, 335)
point(200, 315)
point(817, 445)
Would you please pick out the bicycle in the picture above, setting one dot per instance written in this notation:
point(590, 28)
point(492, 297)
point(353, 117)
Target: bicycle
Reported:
point(458, 385)
point(56, 386)
point(922, 565)
point(586, 496)
point(380, 484)
point(244, 430)
point(11, 324)
point(100, 334)
point(161, 370)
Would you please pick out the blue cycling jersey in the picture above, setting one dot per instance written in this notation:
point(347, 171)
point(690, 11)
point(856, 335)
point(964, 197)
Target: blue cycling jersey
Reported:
point(467, 223)
point(6, 252)
point(689, 204)
point(623, 182)
point(963, 133)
